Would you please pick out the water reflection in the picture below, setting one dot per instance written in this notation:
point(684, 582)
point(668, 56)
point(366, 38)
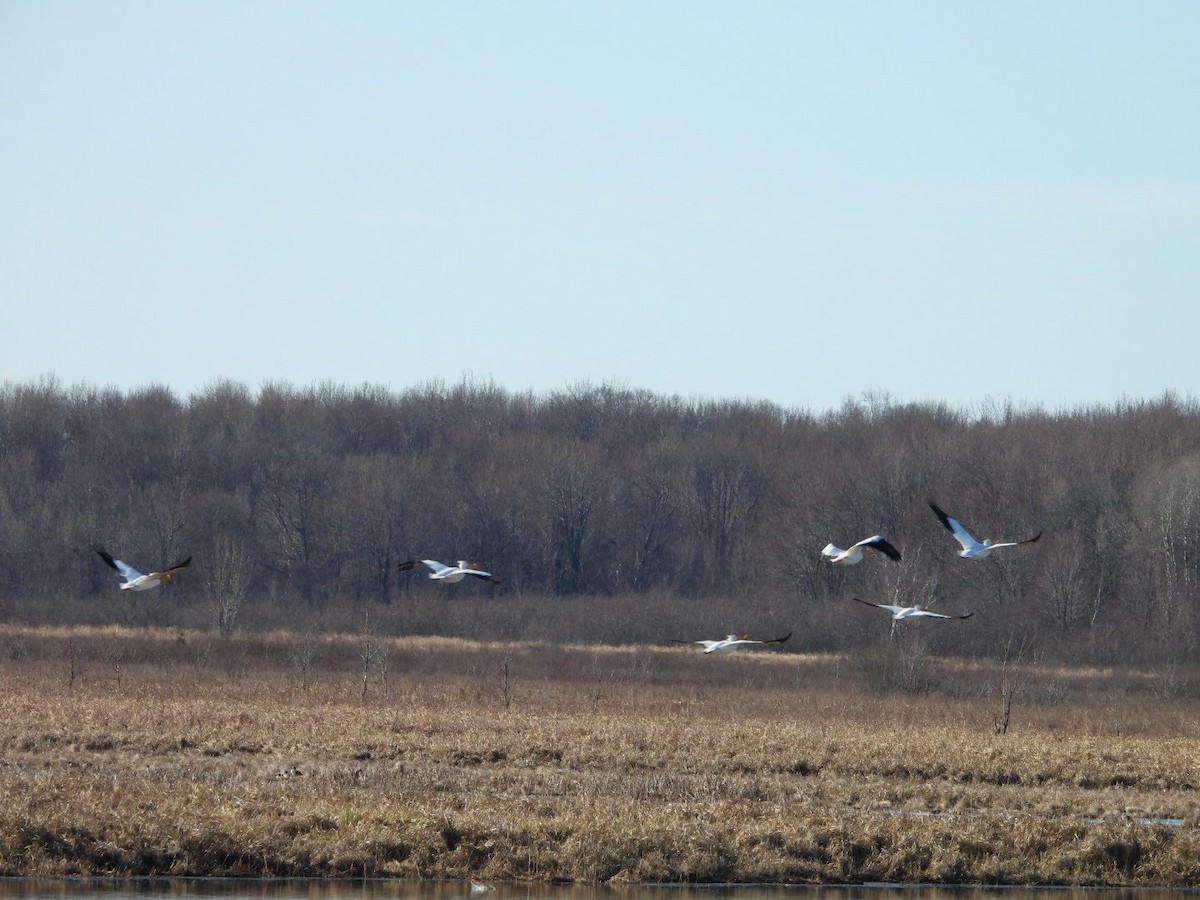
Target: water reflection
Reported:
point(320, 889)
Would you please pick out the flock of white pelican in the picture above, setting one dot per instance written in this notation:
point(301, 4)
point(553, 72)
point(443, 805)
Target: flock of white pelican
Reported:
point(877, 544)
point(852, 555)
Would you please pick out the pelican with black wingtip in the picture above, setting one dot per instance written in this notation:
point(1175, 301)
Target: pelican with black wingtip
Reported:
point(971, 548)
point(855, 552)
point(450, 574)
point(135, 580)
point(732, 642)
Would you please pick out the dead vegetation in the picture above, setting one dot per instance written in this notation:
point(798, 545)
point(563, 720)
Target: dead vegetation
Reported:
point(137, 752)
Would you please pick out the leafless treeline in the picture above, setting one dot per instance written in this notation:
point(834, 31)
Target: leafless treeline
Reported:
point(686, 515)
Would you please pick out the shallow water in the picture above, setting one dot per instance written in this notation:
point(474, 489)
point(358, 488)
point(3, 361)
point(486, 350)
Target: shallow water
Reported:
point(374, 889)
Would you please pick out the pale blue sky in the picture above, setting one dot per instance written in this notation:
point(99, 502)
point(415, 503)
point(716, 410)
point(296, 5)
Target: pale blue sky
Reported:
point(790, 201)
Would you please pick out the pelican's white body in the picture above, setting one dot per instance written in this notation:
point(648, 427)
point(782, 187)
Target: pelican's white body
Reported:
point(139, 582)
point(727, 645)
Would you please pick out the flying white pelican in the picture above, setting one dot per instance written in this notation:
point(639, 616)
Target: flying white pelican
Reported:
point(731, 642)
point(912, 612)
point(971, 548)
point(135, 580)
point(855, 552)
point(450, 574)
point(899, 613)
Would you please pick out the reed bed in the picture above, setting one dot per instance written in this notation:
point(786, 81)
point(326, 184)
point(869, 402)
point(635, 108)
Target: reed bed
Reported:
point(136, 752)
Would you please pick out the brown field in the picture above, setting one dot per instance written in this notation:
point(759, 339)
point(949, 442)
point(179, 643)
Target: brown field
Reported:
point(135, 752)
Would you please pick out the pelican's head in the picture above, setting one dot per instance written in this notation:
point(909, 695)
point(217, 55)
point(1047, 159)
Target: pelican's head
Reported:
point(165, 579)
point(463, 564)
point(987, 542)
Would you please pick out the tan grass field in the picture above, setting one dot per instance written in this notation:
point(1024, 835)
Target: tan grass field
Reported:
point(136, 752)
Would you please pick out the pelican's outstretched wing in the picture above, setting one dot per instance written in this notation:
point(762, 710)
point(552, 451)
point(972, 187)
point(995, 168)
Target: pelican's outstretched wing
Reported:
point(1032, 540)
point(432, 564)
point(891, 609)
point(125, 570)
point(742, 639)
point(955, 528)
point(167, 573)
point(705, 644)
point(877, 542)
point(472, 569)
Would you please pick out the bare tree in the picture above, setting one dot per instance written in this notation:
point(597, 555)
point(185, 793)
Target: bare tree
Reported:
point(573, 492)
point(228, 572)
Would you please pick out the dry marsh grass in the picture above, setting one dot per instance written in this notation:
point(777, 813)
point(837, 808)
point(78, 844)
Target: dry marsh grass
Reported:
point(160, 752)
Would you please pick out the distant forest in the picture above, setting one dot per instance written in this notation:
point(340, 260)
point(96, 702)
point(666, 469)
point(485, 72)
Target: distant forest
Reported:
point(613, 515)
